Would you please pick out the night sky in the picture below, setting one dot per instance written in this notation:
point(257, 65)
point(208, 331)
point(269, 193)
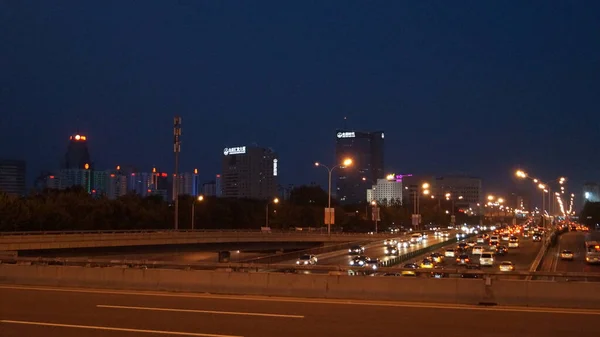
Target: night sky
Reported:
point(473, 87)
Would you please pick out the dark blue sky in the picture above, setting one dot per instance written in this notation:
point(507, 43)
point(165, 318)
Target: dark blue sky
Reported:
point(477, 87)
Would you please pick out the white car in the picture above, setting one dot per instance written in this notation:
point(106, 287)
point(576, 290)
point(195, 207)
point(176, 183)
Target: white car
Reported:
point(477, 250)
point(449, 252)
point(306, 260)
point(513, 242)
point(486, 259)
point(390, 242)
point(445, 234)
point(480, 239)
point(506, 266)
point(416, 238)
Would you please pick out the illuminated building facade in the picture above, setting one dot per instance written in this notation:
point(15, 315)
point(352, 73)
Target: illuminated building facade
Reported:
point(249, 172)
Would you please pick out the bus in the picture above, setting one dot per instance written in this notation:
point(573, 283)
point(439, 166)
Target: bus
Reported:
point(592, 252)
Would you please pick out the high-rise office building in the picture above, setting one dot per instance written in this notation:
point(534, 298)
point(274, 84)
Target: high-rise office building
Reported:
point(249, 172)
point(218, 186)
point(209, 189)
point(76, 177)
point(78, 155)
point(366, 151)
point(12, 177)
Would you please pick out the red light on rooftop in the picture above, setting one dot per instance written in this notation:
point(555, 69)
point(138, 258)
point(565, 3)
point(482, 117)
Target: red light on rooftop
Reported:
point(218, 176)
point(195, 171)
point(51, 177)
point(93, 191)
point(163, 174)
point(149, 191)
point(112, 175)
point(133, 174)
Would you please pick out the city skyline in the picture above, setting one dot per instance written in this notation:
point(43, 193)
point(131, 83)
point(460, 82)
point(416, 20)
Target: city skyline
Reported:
point(483, 104)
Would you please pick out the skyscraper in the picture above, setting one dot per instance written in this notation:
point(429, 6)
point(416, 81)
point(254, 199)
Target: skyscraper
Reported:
point(12, 177)
point(366, 151)
point(249, 172)
point(77, 155)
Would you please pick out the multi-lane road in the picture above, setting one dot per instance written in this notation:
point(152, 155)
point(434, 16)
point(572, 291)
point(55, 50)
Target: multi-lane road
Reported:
point(376, 249)
point(573, 241)
point(68, 312)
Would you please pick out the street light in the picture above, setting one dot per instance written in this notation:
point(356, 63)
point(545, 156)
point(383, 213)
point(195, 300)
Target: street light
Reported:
point(375, 213)
point(345, 163)
point(275, 201)
point(200, 198)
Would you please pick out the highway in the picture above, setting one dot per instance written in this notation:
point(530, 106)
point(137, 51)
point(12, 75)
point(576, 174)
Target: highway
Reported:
point(373, 250)
point(573, 241)
point(64, 312)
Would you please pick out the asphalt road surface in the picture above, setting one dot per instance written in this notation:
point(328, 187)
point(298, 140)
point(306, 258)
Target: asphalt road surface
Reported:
point(573, 241)
point(64, 312)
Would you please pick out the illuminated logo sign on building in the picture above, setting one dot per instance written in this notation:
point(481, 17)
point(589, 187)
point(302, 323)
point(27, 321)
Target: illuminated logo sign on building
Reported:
point(346, 135)
point(275, 167)
point(234, 150)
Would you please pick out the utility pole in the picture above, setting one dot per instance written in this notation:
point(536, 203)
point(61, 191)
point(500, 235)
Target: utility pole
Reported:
point(176, 150)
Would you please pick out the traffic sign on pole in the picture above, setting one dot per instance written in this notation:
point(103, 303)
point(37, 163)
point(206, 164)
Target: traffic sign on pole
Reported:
point(329, 216)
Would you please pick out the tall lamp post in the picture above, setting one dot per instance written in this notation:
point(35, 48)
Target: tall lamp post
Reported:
point(199, 199)
point(275, 201)
point(375, 212)
point(347, 162)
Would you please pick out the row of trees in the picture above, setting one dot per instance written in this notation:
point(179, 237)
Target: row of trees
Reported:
point(74, 209)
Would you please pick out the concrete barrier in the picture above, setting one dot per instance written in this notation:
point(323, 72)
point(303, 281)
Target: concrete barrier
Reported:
point(411, 289)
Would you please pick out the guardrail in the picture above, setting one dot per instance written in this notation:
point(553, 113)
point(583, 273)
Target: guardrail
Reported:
point(275, 258)
point(286, 268)
point(278, 231)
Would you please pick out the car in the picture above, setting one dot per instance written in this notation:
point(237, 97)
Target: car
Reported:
point(486, 259)
point(416, 238)
point(359, 261)
point(471, 243)
point(437, 273)
point(372, 264)
point(306, 259)
point(513, 242)
point(426, 263)
point(494, 239)
point(392, 274)
point(404, 244)
point(463, 259)
point(462, 246)
point(477, 250)
point(506, 266)
point(567, 255)
point(391, 250)
point(409, 272)
point(424, 235)
point(445, 234)
point(436, 257)
point(536, 238)
point(480, 239)
point(356, 250)
point(390, 242)
point(501, 250)
point(449, 252)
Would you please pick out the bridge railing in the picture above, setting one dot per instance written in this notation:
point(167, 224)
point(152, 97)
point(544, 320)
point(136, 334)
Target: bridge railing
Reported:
point(291, 232)
point(301, 269)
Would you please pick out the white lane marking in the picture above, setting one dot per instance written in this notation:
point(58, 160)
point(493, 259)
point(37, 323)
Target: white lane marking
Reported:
point(318, 301)
point(200, 311)
point(108, 328)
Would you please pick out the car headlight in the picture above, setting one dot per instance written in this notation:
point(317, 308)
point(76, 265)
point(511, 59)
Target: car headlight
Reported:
point(305, 262)
point(297, 262)
point(349, 250)
point(361, 263)
point(351, 263)
point(387, 251)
